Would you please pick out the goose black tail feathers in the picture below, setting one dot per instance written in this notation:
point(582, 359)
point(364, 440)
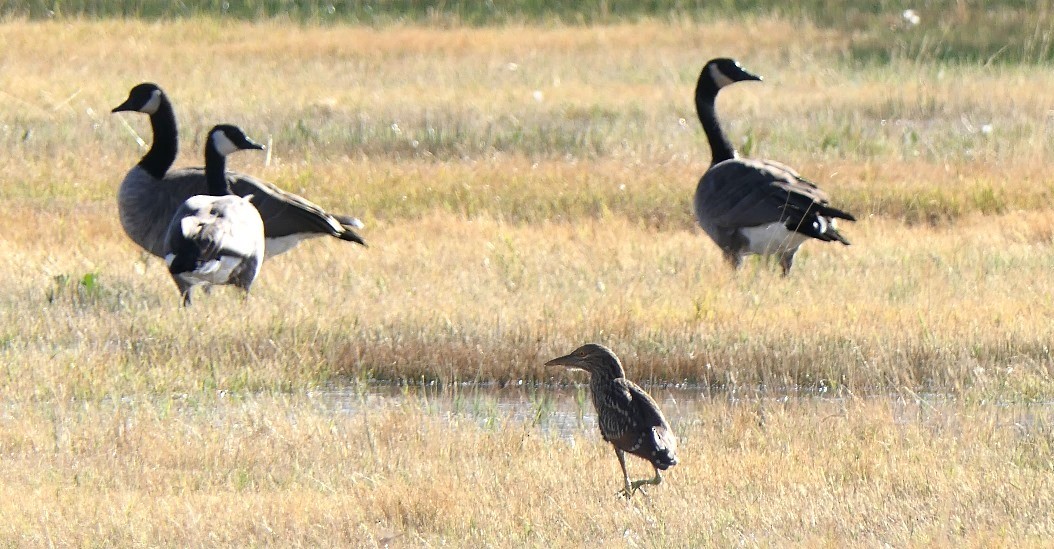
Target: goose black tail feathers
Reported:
point(835, 212)
point(834, 235)
point(185, 259)
point(351, 236)
point(831, 232)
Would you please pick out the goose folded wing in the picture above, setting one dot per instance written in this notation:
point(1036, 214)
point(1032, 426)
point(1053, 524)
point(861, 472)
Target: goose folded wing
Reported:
point(747, 193)
point(283, 212)
point(806, 193)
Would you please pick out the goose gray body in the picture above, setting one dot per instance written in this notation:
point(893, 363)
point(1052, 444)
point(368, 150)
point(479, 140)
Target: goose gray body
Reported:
point(150, 192)
point(288, 218)
point(754, 206)
point(216, 238)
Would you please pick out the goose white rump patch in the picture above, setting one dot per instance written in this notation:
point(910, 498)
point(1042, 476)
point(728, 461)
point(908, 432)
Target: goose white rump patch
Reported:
point(282, 244)
point(217, 271)
point(771, 238)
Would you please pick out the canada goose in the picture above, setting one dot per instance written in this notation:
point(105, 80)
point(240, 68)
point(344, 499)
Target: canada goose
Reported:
point(150, 193)
point(628, 417)
point(754, 206)
point(216, 238)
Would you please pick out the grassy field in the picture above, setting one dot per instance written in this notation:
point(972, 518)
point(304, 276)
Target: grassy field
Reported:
point(289, 470)
point(526, 188)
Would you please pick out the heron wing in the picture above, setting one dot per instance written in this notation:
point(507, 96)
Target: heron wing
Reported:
point(640, 429)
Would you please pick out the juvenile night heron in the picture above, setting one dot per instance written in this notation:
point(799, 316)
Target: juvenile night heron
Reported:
point(751, 206)
point(629, 419)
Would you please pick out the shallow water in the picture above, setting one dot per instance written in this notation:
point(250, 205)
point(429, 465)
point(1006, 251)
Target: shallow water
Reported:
point(566, 410)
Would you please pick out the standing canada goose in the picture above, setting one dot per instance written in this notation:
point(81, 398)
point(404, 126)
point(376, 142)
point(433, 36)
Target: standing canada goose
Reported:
point(629, 419)
point(754, 206)
point(150, 193)
point(216, 238)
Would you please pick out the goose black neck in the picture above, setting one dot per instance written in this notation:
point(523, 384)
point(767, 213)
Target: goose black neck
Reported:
point(163, 150)
point(216, 172)
point(705, 96)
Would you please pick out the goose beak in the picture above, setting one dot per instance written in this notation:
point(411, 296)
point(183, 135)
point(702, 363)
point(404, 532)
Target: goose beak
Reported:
point(739, 74)
point(124, 107)
point(253, 145)
point(750, 76)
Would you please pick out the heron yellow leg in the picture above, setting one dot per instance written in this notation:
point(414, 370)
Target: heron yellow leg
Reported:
point(636, 485)
point(629, 488)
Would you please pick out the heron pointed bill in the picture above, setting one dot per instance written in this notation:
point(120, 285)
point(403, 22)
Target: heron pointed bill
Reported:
point(570, 360)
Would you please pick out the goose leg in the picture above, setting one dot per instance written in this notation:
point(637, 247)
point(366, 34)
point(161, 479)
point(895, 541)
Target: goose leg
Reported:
point(244, 284)
point(245, 278)
point(786, 260)
point(733, 258)
point(184, 290)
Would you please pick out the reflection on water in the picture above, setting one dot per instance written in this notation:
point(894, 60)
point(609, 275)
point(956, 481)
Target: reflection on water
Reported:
point(560, 410)
point(566, 410)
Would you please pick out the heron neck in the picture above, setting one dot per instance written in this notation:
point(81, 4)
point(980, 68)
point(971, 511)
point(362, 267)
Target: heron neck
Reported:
point(606, 373)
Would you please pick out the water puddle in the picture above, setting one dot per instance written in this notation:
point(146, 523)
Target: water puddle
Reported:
point(567, 410)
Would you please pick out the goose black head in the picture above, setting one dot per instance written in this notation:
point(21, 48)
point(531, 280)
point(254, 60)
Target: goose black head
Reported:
point(593, 358)
point(226, 138)
point(144, 98)
point(720, 72)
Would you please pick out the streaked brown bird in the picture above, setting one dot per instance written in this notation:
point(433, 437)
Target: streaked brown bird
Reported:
point(629, 419)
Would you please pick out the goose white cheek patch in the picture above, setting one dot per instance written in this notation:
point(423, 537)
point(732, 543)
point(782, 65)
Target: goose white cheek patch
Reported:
point(151, 106)
point(720, 78)
point(223, 144)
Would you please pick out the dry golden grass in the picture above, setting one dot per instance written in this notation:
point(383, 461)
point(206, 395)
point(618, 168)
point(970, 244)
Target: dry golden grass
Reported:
point(513, 230)
point(298, 470)
point(947, 314)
